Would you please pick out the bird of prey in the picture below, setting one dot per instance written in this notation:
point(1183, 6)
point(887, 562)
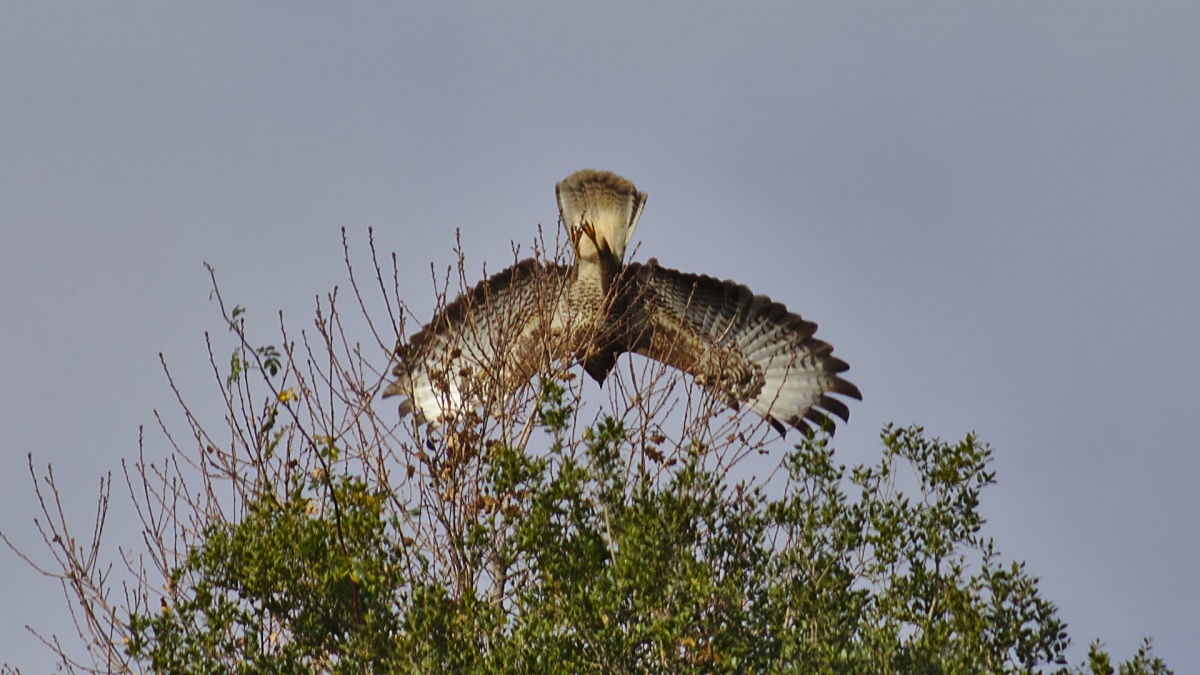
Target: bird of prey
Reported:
point(745, 349)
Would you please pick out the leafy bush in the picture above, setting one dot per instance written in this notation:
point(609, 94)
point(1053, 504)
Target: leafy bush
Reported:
point(318, 536)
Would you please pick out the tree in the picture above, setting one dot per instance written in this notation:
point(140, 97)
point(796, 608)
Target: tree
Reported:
point(545, 533)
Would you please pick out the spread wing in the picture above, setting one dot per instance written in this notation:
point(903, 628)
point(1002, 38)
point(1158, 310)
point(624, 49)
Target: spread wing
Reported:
point(742, 347)
point(482, 347)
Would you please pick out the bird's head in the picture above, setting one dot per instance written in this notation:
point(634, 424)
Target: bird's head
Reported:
point(600, 211)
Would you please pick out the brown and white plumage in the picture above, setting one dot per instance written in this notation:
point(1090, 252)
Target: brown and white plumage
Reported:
point(743, 348)
point(482, 345)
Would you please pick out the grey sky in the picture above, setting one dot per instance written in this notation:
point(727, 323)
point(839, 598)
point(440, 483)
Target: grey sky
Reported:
point(991, 211)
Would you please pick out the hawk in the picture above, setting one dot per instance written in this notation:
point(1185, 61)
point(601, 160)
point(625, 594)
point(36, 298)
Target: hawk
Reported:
point(743, 348)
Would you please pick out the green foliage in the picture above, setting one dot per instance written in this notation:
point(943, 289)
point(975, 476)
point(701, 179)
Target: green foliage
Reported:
point(269, 360)
point(313, 534)
point(1142, 663)
point(289, 588)
point(578, 559)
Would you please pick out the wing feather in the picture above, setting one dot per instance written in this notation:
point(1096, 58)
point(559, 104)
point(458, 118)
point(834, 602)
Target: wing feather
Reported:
point(745, 348)
point(483, 346)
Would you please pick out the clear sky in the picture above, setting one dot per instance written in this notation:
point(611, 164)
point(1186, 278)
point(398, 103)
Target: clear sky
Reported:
point(993, 212)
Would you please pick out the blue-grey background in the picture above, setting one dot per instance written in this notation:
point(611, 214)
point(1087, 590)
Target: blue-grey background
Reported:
point(992, 211)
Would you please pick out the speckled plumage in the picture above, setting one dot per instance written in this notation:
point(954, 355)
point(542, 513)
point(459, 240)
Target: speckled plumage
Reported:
point(744, 348)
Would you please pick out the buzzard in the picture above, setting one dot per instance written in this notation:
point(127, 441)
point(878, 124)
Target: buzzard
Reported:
point(743, 348)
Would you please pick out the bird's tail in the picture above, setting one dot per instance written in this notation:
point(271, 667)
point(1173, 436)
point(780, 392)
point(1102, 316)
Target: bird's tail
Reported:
point(600, 211)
